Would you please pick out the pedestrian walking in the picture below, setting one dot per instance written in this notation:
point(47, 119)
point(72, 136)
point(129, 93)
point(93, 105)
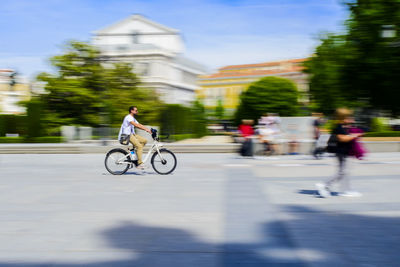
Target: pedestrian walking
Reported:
point(343, 144)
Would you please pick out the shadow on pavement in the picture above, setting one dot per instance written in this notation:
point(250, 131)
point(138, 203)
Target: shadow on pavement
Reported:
point(310, 237)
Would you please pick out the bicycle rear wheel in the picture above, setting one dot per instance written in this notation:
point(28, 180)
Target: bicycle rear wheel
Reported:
point(116, 161)
point(165, 162)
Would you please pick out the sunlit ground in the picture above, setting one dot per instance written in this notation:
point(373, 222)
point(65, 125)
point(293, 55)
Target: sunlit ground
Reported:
point(214, 210)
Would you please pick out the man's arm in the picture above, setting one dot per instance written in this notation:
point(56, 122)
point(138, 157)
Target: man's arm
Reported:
point(140, 126)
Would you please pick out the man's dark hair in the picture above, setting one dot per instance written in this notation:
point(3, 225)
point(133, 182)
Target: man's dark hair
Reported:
point(131, 108)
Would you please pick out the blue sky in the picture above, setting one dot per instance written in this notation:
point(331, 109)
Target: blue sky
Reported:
point(216, 32)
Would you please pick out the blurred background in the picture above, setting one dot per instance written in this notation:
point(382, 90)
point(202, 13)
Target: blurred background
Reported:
point(69, 70)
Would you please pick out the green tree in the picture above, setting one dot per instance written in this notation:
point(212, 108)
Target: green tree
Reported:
point(324, 69)
point(85, 92)
point(181, 120)
point(176, 119)
point(372, 62)
point(269, 94)
point(123, 91)
point(219, 110)
point(34, 120)
point(199, 119)
point(361, 66)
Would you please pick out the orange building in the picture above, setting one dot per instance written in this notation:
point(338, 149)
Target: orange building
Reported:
point(227, 84)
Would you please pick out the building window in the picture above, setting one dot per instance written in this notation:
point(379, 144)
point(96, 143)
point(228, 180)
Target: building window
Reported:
point(142, 69)
point(135, 37)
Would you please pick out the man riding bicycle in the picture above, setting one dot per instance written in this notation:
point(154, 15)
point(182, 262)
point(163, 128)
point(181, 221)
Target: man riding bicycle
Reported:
point(128, 128)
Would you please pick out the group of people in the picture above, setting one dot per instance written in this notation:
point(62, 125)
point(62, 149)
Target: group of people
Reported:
point(267, 132)
point(344, 137)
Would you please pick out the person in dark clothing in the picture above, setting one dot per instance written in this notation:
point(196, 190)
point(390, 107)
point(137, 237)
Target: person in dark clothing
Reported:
point(317, 124)
point(342, 151)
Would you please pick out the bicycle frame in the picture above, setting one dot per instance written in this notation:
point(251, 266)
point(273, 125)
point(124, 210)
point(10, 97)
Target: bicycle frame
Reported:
point(155, 147)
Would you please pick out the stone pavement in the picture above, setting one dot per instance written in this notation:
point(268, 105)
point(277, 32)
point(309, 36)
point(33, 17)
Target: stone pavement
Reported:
point(214, 210)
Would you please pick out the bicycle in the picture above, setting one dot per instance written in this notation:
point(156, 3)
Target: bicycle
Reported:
point(119, 160)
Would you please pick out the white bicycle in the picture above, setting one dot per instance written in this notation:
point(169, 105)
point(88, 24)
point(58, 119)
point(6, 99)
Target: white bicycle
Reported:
point(119, 160)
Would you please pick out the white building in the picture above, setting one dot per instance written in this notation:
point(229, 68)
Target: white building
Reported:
point(13, 89)
point(156, 52)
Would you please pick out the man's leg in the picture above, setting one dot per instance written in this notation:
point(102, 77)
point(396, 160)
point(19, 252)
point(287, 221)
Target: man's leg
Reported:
point(138, 145)
point(142, 142)
point(141, 139)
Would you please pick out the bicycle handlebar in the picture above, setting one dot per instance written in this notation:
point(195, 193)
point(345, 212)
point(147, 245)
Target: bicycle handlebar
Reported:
point(153, 133)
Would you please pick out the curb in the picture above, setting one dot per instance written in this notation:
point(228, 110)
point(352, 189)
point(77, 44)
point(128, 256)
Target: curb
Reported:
point(86, 149)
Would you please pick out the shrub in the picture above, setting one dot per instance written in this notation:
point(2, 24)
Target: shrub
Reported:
point(34, 122)
point(11, 140)
point(383, 134)
point(180, 120)
point(269, 94)
point(379, 125)
point(13, 124)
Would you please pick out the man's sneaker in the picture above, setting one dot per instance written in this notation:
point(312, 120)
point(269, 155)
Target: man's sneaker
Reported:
point(350, 194)
point(140, 166)
point(323, 190)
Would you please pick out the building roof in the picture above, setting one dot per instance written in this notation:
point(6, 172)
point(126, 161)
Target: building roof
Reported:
point(137, 17)
point(265, 64)
point(249, 73)
point(6, 71)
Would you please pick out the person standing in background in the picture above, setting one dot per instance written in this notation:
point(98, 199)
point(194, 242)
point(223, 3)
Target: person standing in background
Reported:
point(246, 132)
point(317, 125)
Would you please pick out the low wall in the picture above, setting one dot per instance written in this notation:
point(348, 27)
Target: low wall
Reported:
point(96, 147)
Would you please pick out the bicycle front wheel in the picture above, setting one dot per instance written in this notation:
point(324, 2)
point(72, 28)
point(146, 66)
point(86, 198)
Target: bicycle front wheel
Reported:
point(116, 161)
point(163, 162)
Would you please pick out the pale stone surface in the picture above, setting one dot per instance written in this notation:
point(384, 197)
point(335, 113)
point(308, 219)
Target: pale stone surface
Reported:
point(214, 210)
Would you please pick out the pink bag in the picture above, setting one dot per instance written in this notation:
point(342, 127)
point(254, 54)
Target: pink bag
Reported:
point(357, 150)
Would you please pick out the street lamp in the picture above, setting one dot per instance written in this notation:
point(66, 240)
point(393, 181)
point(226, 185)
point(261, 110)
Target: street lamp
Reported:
point(12, 80)
point(389, 32)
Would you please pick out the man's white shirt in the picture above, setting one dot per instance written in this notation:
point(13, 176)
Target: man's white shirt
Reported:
point(127, 127)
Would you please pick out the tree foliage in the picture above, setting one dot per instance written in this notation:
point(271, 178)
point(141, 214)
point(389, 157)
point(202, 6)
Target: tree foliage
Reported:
point(177, 119)
point(269, 94)
point(360, 67)
point(219, 110)
point(325, 89)
point(83, 91)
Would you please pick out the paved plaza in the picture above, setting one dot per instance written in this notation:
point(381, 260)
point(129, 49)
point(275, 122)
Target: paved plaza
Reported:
point(214, 210)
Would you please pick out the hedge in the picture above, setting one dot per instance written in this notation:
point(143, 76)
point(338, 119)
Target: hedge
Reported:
point(179, 120)
point(13, 124)
point(43, 139)
point(10, 140)
point(383, 134)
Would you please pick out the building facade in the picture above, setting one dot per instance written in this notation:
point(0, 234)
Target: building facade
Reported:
point(13, 89)
point(156, 53)
point(229, 82)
